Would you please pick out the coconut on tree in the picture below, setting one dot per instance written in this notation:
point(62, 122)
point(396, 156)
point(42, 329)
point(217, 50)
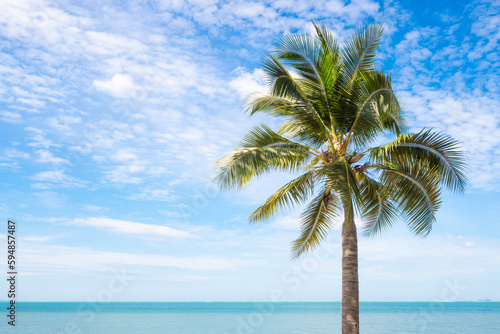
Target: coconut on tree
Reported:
point(335, 104)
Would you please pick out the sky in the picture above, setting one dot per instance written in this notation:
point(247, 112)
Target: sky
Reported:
point(113, 112)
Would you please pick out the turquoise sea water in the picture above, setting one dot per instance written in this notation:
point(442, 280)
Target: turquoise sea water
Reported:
point(246, 318)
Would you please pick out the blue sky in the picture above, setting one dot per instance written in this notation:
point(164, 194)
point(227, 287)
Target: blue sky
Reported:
point(112, 114)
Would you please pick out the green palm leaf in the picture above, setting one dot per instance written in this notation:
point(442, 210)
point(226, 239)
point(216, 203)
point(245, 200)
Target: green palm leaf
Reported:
point(378, 110)
point(283, 85)
point(439, 151)
point(291, 194)
point(378, 210)
point(260, 151)
point(415, 189)
point(316, 220)
point(360, 50)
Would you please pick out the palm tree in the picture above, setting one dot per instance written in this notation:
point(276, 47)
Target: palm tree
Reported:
point(335, 105)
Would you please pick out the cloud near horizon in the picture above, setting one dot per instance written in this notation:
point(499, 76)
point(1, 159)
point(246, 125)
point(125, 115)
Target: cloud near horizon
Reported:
point(139, 230)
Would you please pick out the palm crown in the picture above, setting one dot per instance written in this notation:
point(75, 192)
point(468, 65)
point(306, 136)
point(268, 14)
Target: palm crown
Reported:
point(336, 104)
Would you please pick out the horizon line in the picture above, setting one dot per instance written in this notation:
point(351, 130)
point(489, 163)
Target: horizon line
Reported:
point(253, 301)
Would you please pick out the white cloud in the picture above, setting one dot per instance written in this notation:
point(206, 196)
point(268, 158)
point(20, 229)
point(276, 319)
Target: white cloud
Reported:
point(14, 154)
point(10, 117)
point(38, 138)
point(249, 9)
point(50, 259)
point(46, 156)
point(94, 208)
point(355, 10)
point(287, 223)
point(122, 174)
point(37, 238)
point(43, 186)
point(104, 43)
point(51, 199)
point(64, 123)
point(124, 155)
point(436, 255)
point(120, 85)
point(247, 84)
point(58, 177)
point(140, 230)
point(165, 195)
point(156, 170)
point(9, 165)
point(174, 214)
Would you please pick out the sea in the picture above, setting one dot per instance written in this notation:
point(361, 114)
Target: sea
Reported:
point(248, 317)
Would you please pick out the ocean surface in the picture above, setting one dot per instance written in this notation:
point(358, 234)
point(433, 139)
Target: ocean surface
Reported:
point(246, 318)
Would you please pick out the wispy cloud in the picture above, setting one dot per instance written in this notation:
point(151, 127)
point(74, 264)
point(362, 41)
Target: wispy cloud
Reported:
point(58, 178)
point(437, 255)
point(10, 117)
point(11, 158)
point(287, 223)
point(48, 157)
point(139, 230)
point(44, 259)
point(164, 195)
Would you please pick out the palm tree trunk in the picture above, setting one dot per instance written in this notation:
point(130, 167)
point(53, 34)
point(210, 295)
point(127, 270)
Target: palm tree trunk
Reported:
point(350, 282)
